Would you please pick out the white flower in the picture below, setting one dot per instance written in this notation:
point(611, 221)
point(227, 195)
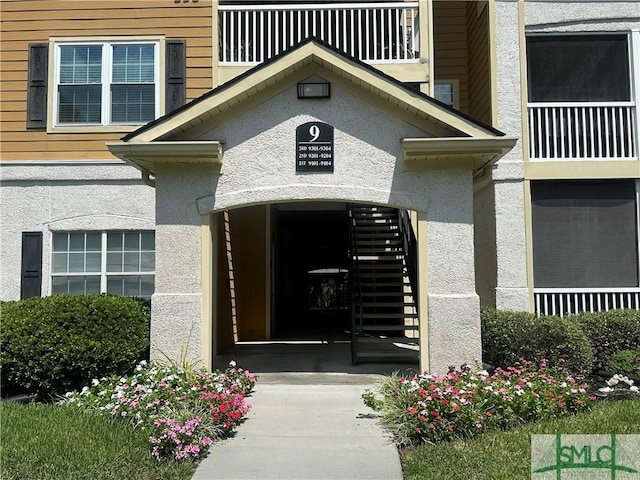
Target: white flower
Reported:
point(232, 363)
point(483, 373)
point(606, 389)
point(634, 389)
point(613, 381)
point(95, 382)
point(628, 381)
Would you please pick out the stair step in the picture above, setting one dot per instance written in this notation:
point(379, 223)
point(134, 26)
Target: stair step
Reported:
point(387, 304)
point(404, 354)
point(385, 316)
point(378, 226)
point(385, 294)
point(381, 266)
point(381, 276)
point(369, 208)
point(385, 328)
point(380, 241)
point(370, 339)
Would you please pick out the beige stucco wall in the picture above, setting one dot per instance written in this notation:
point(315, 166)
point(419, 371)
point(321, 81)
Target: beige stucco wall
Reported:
point(259, 167)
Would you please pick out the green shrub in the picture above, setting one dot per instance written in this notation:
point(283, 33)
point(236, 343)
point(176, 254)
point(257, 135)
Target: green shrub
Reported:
point(508, 336)
point(610, 332)
point(51, 345)
point(626, 362)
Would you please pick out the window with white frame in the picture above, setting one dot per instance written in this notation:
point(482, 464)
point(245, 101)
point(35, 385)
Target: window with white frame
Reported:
point(113, 262)
point(106, 83)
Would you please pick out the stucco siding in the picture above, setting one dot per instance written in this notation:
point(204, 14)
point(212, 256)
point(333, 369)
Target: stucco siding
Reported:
point(49, 198)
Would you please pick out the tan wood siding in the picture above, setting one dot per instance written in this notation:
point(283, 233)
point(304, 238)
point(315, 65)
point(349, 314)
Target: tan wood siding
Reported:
point(36, 21)
point(450, 46)
point(479, 62)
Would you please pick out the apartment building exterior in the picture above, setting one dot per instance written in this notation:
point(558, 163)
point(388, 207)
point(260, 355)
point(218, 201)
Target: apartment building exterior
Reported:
point(168, 149)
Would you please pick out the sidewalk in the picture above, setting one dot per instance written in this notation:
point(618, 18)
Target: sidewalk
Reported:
point(307, 431)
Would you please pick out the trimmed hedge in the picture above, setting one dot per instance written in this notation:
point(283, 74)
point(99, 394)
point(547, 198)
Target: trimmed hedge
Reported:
point(610, 332)
point(51, 345)
point(508, 336)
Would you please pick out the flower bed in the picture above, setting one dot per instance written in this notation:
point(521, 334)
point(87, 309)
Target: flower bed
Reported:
point(183, 409)
point(429, 408)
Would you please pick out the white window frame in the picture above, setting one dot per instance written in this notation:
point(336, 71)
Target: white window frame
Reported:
point(104, 274)
point(105, 125)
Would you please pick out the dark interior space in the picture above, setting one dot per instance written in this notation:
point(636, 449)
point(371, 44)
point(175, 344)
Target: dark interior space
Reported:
point(312, 295)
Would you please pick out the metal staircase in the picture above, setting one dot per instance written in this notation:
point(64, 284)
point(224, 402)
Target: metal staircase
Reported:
point(384, 309)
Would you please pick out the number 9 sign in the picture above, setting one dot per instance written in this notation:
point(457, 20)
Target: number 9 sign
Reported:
point(314, 147)
point(314, 132)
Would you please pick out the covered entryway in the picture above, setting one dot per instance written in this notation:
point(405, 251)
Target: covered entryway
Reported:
point(254, 142)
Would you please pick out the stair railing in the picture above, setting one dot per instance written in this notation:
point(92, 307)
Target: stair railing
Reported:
point(411, 251)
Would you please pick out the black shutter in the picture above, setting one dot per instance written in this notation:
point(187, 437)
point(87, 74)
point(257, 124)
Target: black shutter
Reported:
point(37, 86)
point(31, 285)
point(176, 73)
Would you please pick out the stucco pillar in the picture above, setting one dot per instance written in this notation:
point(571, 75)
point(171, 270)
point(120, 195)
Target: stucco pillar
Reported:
point(512, 291)
point(181, 240)
point(445, 236)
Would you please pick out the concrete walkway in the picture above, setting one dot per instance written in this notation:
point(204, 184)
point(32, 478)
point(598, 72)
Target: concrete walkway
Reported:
point(306, 430)
point(307, 420)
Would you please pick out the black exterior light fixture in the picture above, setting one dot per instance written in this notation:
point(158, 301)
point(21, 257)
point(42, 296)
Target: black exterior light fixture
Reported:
point(314, 90)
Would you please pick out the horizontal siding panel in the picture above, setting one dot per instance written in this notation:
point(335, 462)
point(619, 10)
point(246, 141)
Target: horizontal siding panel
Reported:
point(62, 27)
point(15, 106)
point(79, 5)
point(57, 156)
point(14, 75)
point(105, 13)
point(24, 136)
point(73, 18)
point(55, 145)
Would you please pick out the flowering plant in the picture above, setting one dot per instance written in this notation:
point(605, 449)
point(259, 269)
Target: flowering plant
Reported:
point(430, 408)
point(619, 380)
point(183, 409)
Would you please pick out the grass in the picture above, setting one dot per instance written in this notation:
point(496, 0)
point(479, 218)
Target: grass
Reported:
point(506, 455)
point(47, 442)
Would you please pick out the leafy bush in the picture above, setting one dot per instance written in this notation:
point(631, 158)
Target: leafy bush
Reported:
point(428, 408)
point(54, 344)
point(508, 336)
point(610, 332)
point(182, 409)
point(625, 361)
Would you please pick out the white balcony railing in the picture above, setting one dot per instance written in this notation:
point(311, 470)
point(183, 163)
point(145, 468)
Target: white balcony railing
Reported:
point(582, 131)
point(372, 32)
point(567, 301)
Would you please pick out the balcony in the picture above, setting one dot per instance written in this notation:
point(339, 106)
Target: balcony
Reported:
point(583, 131)
point(567, 301)
point(371, 32)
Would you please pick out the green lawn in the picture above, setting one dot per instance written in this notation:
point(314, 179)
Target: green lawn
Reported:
point(506, 455)
point(47, 442)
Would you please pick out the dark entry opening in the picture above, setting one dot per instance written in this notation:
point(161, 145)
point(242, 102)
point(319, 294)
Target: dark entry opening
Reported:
point(312, 295)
